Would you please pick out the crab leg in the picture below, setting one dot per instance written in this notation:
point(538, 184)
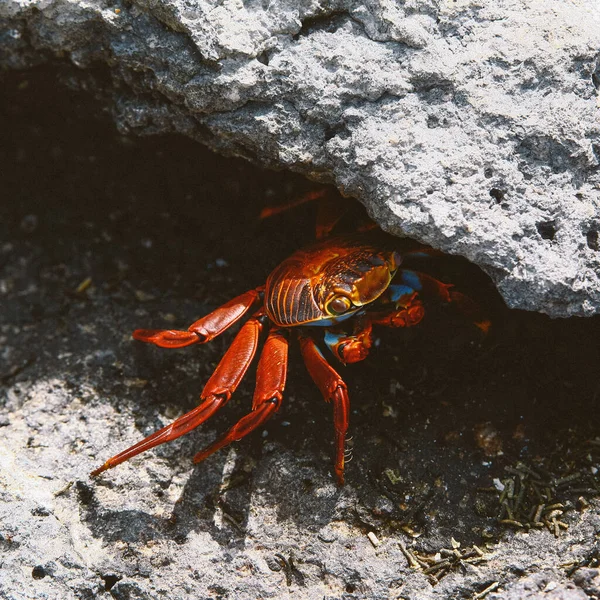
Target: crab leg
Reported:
point(407, 309)
point(204, 329)
point(271, 211)
point(429, 286)
point(334, 390)
point(219, 388)
point(330, 211)
point(270, 383)
point(471, 310)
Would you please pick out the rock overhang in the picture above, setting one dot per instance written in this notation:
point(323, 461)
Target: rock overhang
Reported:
point(474, 129)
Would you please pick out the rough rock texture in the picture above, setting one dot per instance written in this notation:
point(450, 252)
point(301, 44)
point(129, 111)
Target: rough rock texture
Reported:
point(104, 234)
point(473, 128)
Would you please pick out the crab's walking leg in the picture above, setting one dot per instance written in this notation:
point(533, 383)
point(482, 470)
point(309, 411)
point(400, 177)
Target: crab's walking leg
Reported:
point(428, 286)
point(204, 329)
point(334, 390)
point(330, 211)
point(270, 383)
point(219, 388)
point(271, 211)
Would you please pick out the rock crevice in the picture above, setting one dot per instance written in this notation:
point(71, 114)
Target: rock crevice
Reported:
point(472, 128)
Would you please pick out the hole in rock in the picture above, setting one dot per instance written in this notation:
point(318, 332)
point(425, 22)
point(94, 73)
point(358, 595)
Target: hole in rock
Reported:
point(109, 581)
point(38, 572)
point(497, 195)
point(546, 229)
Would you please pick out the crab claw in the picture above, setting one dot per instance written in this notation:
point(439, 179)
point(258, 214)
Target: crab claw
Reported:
point(350, 349)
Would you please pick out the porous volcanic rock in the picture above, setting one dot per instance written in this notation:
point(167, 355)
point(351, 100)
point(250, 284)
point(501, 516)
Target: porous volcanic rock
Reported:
point(473, 128)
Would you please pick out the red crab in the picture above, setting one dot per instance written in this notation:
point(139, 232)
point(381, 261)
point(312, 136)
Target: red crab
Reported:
point(333, 292)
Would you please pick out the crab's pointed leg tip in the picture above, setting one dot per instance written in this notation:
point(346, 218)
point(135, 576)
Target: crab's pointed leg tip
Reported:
point(484, 326)
point(99, 470)
point(199, 457)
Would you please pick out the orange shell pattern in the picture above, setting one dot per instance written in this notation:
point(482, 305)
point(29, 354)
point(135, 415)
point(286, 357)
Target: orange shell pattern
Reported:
point(298, 290)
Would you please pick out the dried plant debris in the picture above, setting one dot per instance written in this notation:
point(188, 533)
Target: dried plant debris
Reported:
point(534, 497)
point(446, 560)
point(292, 574)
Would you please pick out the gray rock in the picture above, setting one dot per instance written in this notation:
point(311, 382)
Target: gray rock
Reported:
point(469, 127)
point(261, 518)
point(589, 581)
point(541, 586)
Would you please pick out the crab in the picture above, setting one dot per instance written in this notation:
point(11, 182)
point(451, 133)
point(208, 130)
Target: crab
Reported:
point(330, 294)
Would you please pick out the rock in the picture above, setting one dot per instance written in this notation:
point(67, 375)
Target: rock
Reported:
point(589, 581)
point(264, 517)
point(472, 128)
point(540, 586)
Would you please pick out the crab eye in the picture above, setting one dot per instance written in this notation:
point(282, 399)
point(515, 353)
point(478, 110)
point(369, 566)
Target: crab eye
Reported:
point(338, 305)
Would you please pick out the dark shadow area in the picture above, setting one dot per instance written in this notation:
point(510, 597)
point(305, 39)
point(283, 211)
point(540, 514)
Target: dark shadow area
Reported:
point(102, 234)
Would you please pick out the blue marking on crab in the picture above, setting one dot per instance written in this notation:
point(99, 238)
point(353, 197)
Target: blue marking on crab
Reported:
point(333, 320)
point(411, 279)
point(399, 291)
point(332, 339)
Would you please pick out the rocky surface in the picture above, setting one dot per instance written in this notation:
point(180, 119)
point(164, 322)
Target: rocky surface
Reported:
point(104, 234)
point(473, 128)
